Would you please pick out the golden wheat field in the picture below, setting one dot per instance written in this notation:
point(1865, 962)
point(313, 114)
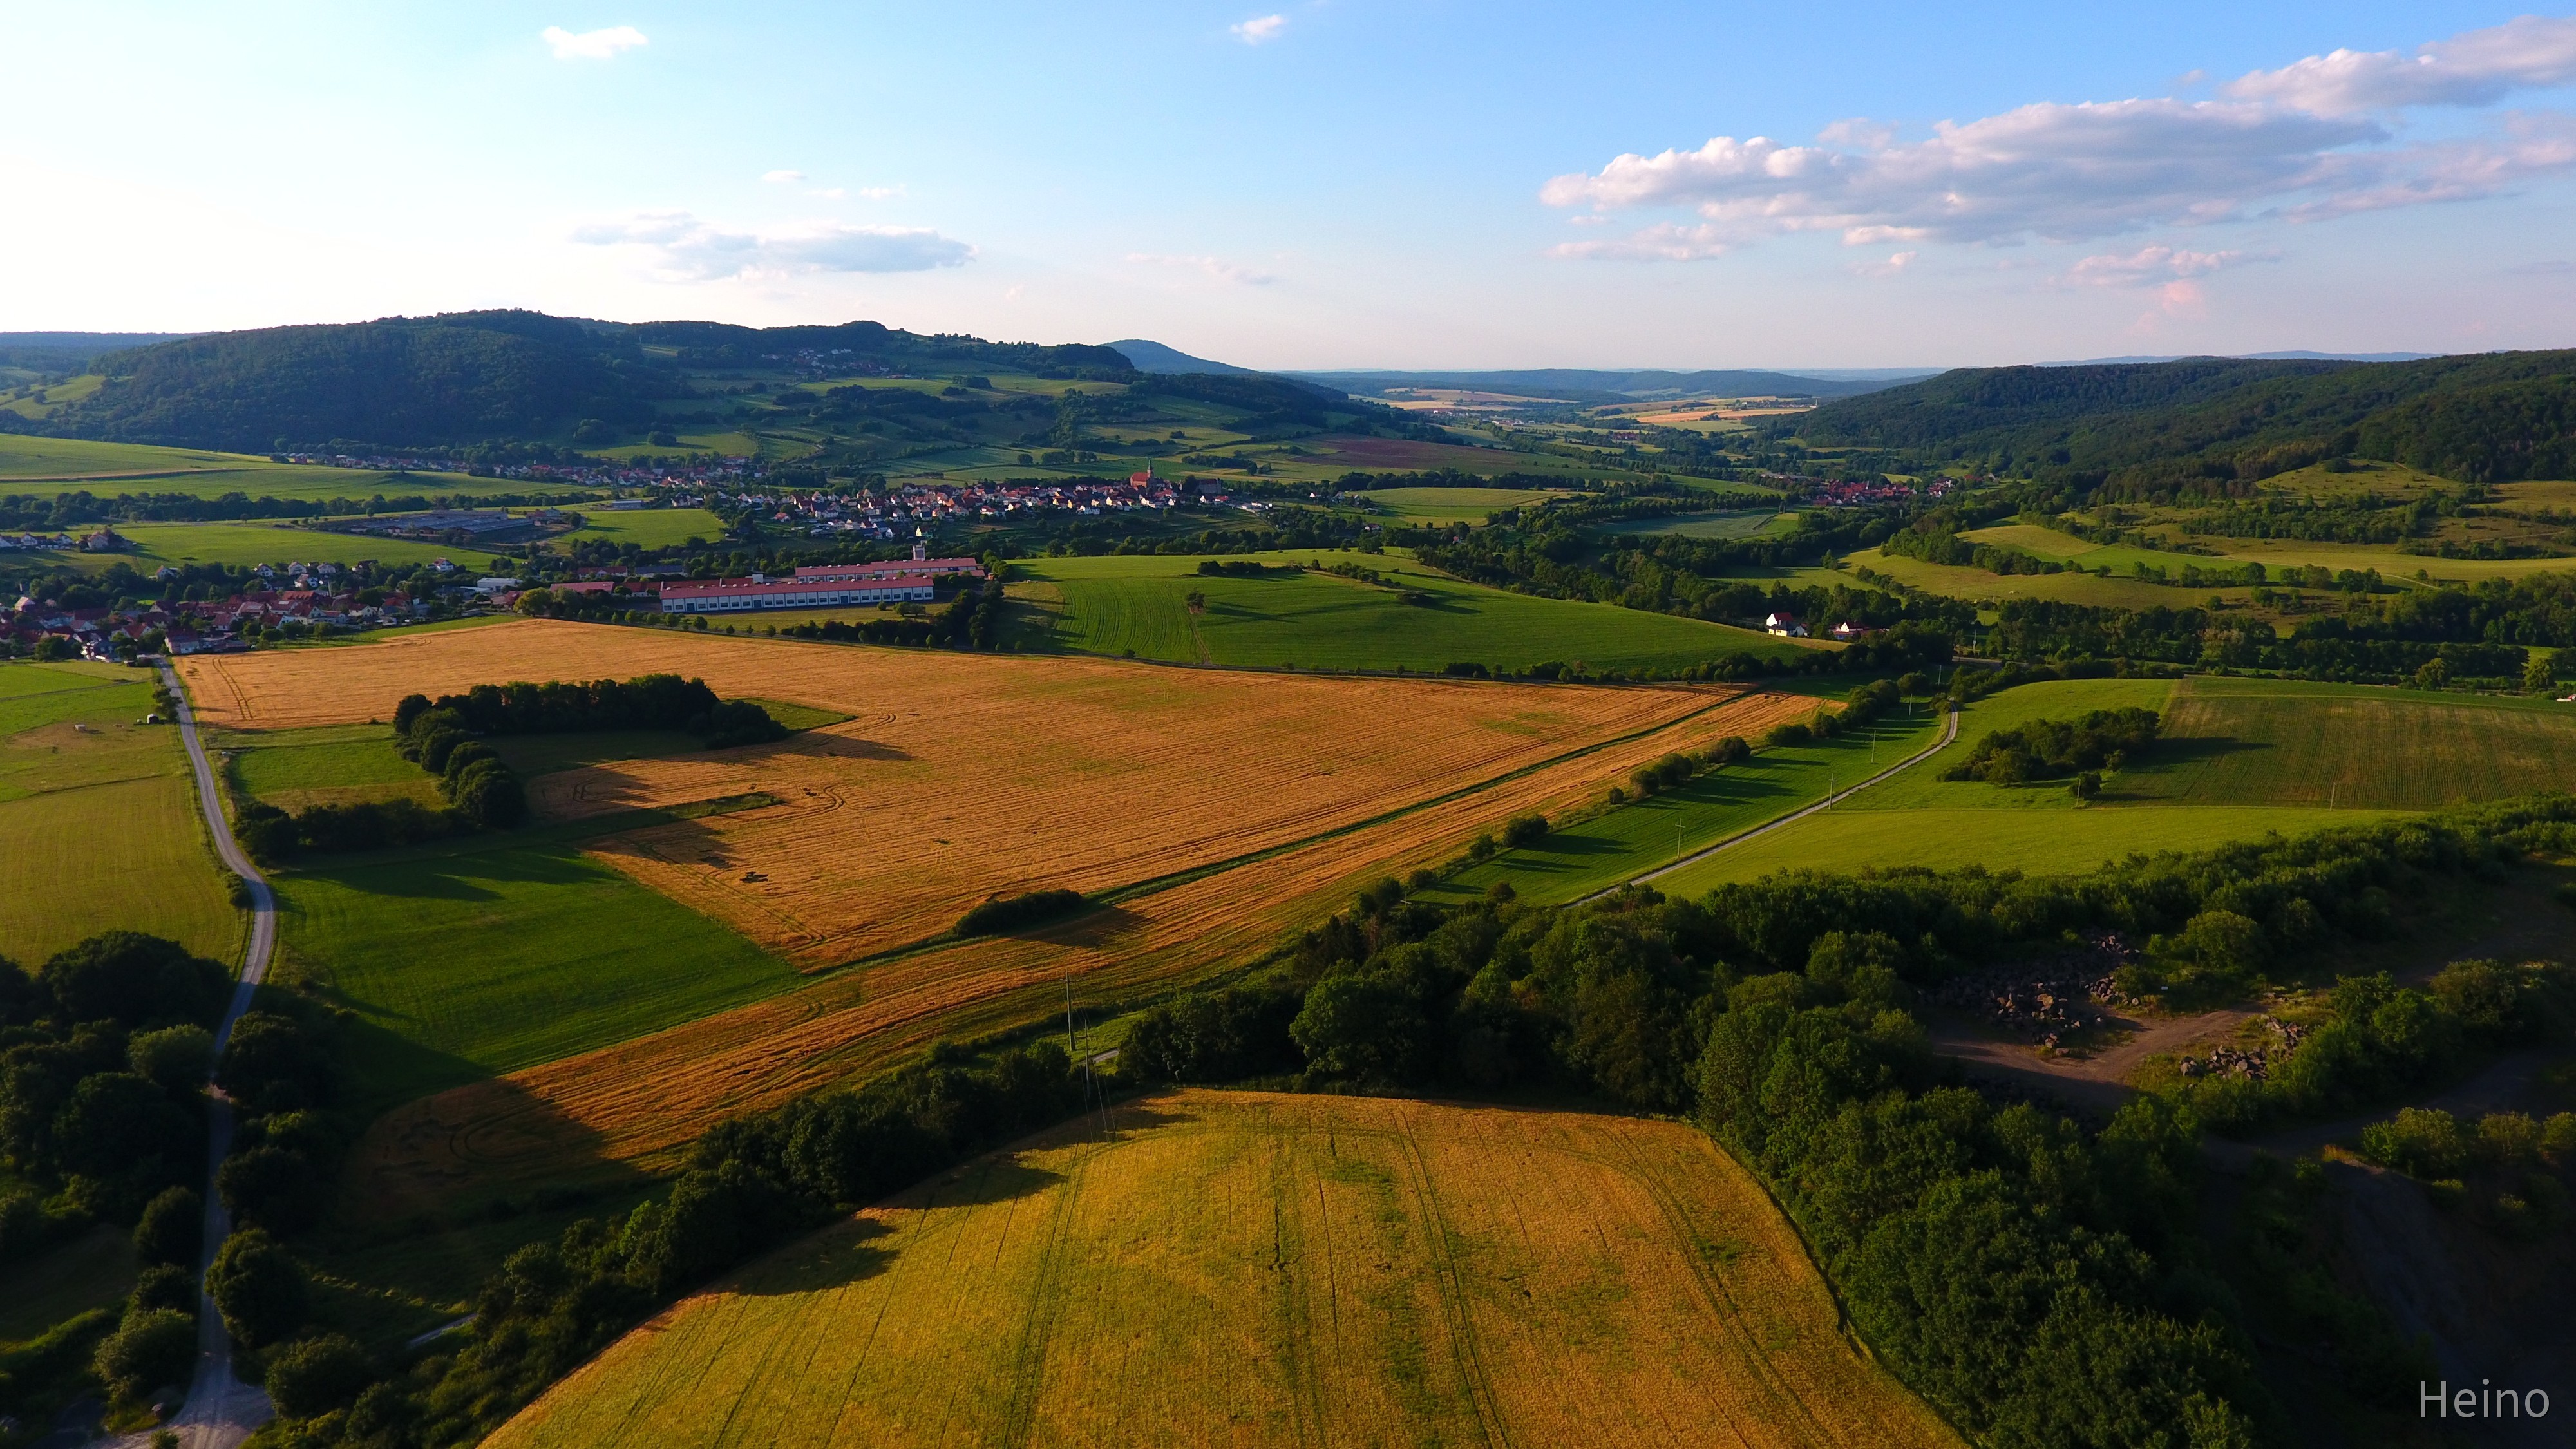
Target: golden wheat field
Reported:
point(961, 776)
point(1252, 1269)
point(640, 1103)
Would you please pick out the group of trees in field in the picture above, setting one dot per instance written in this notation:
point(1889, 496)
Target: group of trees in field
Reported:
point(448, 737)
point(2053, 749)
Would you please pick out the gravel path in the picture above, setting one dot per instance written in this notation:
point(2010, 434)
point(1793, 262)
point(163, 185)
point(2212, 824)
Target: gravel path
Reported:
point(221, 1411)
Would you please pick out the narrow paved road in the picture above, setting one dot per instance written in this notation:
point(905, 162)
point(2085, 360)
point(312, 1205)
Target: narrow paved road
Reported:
point(221, 1411)
point(1949, 732)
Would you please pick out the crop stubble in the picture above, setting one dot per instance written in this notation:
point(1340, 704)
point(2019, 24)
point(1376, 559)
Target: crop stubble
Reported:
point(961, 776)
point(640, 1103)
point(1254, 1269)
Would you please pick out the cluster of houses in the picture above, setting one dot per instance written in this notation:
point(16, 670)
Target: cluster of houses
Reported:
point(312, 595)
point(1860, 492)
point(911, 507)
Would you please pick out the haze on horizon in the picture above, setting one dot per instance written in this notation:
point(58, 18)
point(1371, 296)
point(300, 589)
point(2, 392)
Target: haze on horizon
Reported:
point(1321, 184)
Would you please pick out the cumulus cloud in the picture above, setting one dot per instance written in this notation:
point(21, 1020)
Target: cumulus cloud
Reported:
point(591, 44)
point(782, 177)
point(1260, 29)
point(689, 249)
point(2311, 141)
point(2058, 172)
point(1895, 265)
point(1216, 268)
point(2151, 265)
point(2473, 68)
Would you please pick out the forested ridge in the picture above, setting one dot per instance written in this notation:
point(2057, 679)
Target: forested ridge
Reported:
point(465, 377)
point(2197, 425)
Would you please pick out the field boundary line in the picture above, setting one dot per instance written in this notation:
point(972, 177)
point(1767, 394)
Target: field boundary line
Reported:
point(1949, 734)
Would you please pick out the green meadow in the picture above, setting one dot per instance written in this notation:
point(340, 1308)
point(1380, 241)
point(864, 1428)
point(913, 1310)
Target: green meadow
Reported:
point(2238, 758)
point(485, 955)
point(48, 466)
point(98, 818)
point(1623, 842)
point(1138, 604)
point(1717, 523)
point(156, 544)
point(648, 527)
point(1453, 505)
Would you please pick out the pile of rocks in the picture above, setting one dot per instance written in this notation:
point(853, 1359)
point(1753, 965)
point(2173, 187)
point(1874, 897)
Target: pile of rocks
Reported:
point(2251, 1063)
point(2048, 996)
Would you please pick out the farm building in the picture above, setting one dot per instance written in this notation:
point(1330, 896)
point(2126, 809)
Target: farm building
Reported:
point(1787, 626)
point(734, 596)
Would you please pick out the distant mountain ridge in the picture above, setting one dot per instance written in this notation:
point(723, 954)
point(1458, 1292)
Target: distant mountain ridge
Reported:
point(2207, 423)
point(476, 376)
point(1596, 385)
point(1155, 357)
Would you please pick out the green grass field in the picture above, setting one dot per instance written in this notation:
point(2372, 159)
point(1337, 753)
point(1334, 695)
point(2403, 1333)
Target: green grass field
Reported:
point(2238, 758)
point(1719, 523)
point(329, 765)
point(1622, 843)
point(498, 952)
point(649, 527)
point(98, 818)
point(49, 466)
point(1962, 582)
point(2034, 843)
point(1137, 603)
point(1454, 505)
point(93, 1270)
point(156, 544)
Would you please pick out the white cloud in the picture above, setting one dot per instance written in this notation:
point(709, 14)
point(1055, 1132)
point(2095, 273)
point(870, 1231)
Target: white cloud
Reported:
point(1216, 268)
point(782, 177)
point(1895, 265)
point(2307, 142)
point(2152, 266)
point(1260, 29)
point(2473, 68)
point(688, 249)
point(873, 193)
point(591, 44)
point(2058, 172)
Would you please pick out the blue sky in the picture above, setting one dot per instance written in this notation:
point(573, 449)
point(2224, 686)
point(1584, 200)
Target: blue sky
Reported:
point(1295, 184)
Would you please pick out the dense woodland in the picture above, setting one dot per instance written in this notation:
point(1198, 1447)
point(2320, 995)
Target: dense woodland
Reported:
point(2041, 1279)
point(2212, 427)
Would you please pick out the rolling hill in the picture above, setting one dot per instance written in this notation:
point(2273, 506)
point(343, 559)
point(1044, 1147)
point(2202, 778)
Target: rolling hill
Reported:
point(2169, 426)
point(1578, 384)
point(1155, 357)
point(476, 376)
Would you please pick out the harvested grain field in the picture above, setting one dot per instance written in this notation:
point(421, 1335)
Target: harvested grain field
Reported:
point(960, 776)
point(638, 1105)
point(1251, 1269)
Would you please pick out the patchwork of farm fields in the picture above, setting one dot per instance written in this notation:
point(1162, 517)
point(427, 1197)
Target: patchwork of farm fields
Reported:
point(1139, 604)
point(1253, 1269)
point(98, 818)
point(641, 1102)
point(49, 466)
point(2239, 758)
point(961, 776)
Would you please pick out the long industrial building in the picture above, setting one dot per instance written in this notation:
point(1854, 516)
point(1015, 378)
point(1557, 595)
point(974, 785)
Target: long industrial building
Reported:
point(737, 596)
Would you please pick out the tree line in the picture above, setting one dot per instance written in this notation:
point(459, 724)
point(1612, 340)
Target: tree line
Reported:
point(448, 737)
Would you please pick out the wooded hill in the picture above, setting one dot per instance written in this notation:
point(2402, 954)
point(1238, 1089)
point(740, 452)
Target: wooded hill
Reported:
point(473, 376)
point(2200, 424)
